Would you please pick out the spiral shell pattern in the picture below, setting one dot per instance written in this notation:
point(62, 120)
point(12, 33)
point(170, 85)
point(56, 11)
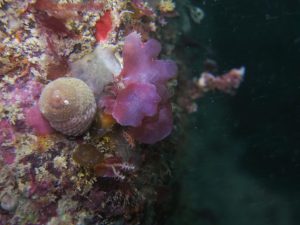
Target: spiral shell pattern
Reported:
point(69, 105)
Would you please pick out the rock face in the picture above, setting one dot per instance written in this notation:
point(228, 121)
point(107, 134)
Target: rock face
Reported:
point(69, 105)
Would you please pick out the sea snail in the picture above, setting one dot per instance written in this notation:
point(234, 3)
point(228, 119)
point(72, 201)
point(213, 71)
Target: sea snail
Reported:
point(69, 105)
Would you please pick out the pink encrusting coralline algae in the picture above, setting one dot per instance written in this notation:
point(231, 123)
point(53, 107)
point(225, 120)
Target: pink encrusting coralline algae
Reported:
point(139, 97)
point(35, 119)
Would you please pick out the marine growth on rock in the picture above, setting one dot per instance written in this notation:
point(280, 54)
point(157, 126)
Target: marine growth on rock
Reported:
point(87, 51)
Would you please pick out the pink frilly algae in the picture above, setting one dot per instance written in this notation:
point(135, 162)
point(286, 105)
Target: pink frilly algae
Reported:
point(139, 98)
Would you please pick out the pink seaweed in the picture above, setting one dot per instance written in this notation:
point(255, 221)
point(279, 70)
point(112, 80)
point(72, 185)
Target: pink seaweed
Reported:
point(139, 97)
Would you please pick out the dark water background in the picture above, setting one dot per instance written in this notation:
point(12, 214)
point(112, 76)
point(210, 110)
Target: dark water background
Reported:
point(240, 164)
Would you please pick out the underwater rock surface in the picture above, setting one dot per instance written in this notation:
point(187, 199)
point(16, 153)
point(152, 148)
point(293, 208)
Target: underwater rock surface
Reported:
point(118, 110)
point(67, 57)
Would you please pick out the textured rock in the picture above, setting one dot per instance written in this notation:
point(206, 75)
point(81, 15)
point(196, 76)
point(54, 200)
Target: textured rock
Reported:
point(69, 105)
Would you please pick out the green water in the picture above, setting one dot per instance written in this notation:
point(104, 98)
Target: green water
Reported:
point(241, 161)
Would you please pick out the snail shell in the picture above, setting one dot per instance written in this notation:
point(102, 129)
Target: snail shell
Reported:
point(69, 105)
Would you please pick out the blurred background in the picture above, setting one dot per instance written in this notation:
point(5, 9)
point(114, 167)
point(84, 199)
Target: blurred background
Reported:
point(240, 163)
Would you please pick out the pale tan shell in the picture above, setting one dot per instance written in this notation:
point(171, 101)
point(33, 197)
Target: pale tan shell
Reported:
point(69, 105)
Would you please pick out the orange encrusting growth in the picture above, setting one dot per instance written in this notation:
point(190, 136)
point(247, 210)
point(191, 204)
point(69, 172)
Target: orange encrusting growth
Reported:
point(106, 120)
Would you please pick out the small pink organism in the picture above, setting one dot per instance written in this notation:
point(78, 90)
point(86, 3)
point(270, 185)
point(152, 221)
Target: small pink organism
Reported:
point(139, 97)
point(226, 83)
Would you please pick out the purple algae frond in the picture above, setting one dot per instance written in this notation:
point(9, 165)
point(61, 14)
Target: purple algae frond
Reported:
point(141, 97)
